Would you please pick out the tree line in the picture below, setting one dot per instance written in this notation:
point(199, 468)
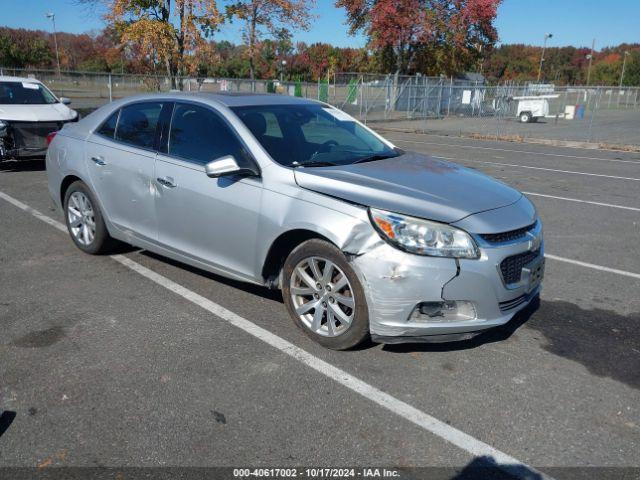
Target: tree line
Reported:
point(431, 37)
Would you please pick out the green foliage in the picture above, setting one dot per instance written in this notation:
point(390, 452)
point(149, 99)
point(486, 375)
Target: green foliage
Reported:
point(19, 49)
point(95, 64)
point(298, 88)
point(606, 73)
point(632, 71)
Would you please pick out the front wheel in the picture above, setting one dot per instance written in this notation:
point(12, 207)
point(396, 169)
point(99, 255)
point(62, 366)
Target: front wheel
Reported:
point(324, 295)
point(84, 220)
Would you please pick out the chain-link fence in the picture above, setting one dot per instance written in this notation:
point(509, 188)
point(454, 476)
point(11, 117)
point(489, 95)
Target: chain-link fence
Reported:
point(605, 115)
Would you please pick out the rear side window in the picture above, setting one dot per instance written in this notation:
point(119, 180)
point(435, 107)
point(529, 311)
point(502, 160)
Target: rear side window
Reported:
point(108, 128)
point(199, 135)
point(137, 124)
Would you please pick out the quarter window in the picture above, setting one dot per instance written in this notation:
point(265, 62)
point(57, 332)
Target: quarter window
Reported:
point(200, 136)
point(108, 128)
point(137, 124)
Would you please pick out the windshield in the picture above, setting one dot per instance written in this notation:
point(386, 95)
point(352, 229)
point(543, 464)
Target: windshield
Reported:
point(25, 93)
point(312, 135)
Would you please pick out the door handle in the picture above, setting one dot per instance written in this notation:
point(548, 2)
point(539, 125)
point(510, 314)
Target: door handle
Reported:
point(99, 161)
point(166, 182)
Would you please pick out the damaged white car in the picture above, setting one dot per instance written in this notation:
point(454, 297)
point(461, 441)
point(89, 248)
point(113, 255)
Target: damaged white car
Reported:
point(29, 114)
point(363, 239)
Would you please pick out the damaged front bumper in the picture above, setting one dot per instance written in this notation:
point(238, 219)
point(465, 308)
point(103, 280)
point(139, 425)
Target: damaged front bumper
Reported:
point(402, 290)
point(26, 140)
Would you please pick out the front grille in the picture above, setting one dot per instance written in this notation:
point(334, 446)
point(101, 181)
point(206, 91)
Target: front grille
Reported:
point(511, 267)
point(33, 134)
point(509, 236)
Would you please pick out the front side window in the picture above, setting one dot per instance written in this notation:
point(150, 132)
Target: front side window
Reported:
point(137, 124)
point(296, 135)
point(25, 93)
point(199, 135)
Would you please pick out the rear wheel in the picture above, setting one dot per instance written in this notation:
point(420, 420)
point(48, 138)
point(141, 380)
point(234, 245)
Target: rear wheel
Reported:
point(324, 296)
point(84, 220)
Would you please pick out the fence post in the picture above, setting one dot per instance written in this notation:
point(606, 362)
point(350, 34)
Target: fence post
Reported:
point(450, 93)
point(593, 112)
point(110, 89)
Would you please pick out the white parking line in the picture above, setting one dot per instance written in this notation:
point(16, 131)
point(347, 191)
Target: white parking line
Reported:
point(583, 201)
point(594, 266)
point(546, 154)
point(419, 418)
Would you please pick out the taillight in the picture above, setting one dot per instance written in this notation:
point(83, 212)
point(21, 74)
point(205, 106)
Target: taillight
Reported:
point(50, 138)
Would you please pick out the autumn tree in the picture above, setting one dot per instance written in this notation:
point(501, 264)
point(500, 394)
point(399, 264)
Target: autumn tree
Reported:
point(23, 48)
point(274, 17)
point(447, 34)
point(166, 32)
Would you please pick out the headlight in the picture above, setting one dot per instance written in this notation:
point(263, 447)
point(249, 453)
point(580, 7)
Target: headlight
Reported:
point(423, 237)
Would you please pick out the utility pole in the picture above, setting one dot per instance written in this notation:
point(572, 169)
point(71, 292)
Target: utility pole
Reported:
point(624, 64)
point(547, 36)
point(590, 58)
point(52, 17)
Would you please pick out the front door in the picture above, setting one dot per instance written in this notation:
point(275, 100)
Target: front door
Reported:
point(212, 220)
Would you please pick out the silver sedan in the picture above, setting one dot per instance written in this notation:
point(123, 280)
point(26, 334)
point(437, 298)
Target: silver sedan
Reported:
point(363, 239)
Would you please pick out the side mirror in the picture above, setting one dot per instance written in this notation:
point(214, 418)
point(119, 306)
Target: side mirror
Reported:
point(65, 100)
point(226, 166)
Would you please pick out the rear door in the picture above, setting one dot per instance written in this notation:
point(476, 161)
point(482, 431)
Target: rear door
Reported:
point(212, 220)
point(121, 161)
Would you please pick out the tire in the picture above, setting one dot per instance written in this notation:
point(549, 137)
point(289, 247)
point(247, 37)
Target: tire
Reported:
point(84, 221)
point(525, 117)
point(341, 319)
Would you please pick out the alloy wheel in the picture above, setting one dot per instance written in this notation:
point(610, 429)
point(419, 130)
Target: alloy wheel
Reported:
point(81, 218)
point(322, 296)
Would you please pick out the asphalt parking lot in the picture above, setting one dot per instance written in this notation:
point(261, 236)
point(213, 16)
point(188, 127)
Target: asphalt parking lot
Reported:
point(604, 126)
point(135, 360)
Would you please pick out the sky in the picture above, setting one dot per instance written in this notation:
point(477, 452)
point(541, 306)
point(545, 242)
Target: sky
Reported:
point(572, 22)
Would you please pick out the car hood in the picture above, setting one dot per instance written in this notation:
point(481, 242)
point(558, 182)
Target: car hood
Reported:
point(411, 184)
point(54, 112)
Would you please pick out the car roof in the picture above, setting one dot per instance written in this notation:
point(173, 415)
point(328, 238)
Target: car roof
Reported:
point(237, 99)
point(224, 99)
point(4, 78)
point(228, 99)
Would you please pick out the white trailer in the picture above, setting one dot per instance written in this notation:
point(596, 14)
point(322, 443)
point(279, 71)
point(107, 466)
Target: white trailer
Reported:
point(532, 107)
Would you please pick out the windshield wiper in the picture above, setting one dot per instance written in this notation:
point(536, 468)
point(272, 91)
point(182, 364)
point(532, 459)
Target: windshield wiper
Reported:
point(315, 163)
point(373, 158)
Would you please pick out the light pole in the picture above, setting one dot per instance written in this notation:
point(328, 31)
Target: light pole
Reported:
point(624, 64)
point(284, 65)
point(52, 16)
point(590, 58)
point(547, 36)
